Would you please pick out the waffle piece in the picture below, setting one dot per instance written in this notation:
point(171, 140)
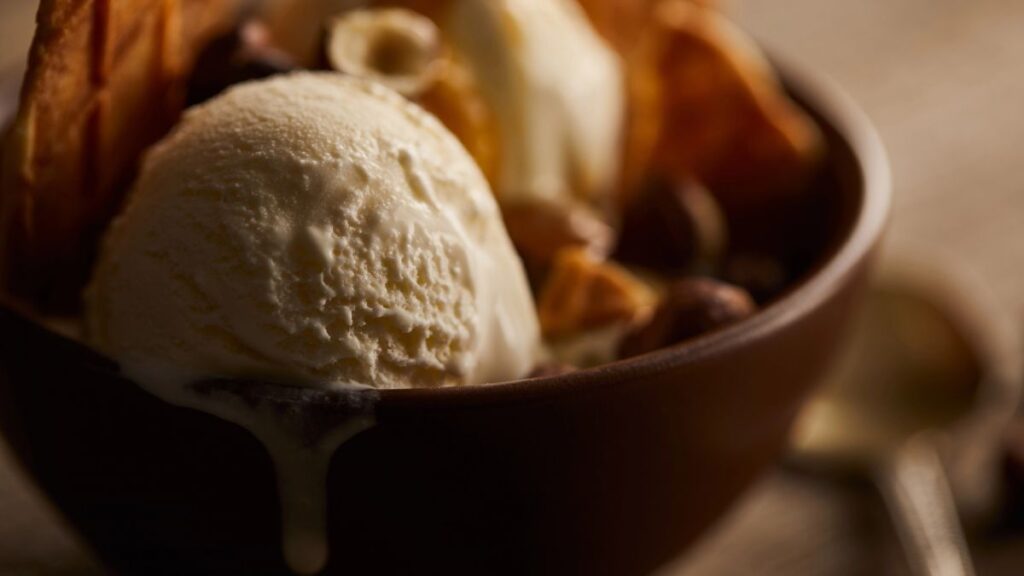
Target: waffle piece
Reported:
point(622, 22)
point(583, 293)
point(457, 102)
point(541, 230)
point(619, 21)
point(105, 79)
point(706, 104)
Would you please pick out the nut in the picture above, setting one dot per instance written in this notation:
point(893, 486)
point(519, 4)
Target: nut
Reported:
point(721, 114)
point(393, 46)
point(541, 229)
point(690, 308)
point(584, 293)
point(761, 275)
point(405, 51)
point(673, 228)
point(245, 53)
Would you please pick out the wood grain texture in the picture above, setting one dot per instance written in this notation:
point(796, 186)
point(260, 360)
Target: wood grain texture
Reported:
point(943, 82)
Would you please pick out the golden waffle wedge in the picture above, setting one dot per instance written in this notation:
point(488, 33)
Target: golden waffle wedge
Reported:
point(105, 79)
point(622, 22)
point(456, 101)
point(584, 292)
point(619, 21)
point(705, 103)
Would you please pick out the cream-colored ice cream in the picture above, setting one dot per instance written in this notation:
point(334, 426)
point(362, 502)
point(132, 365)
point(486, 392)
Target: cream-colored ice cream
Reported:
point(558, 92)
point(556, 88)
point(313, 229)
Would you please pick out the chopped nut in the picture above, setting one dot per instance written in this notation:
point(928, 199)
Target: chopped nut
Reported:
point(763, 276)
point(245, 53)
point(721, 114)
point(583, 293)
point(405, 51)
point(689, 308)
point(396, 47)
point(540, 230)
point(673, 228)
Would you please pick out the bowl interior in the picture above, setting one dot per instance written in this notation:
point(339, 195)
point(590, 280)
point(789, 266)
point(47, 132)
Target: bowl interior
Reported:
point(845, 217)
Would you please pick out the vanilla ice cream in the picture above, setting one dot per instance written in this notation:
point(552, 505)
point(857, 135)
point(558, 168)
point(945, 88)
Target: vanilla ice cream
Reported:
point(557, 90)
point(312, 229)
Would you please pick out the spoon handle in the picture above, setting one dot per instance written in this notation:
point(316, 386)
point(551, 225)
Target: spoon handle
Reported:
point(917, 491)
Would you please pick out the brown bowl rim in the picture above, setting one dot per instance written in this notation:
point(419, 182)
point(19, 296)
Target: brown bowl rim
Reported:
point(822, 95)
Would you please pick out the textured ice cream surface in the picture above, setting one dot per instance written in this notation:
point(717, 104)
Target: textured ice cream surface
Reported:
point(313, 229)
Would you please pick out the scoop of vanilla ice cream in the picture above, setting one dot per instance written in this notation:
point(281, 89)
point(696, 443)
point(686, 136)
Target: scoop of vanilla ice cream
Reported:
point(313, 229)
point(558, 92)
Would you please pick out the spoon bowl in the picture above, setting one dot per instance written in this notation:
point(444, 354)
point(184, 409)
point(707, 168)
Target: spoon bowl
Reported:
point(925, 384)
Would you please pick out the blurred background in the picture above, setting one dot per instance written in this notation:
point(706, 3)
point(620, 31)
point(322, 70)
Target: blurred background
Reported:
point(942, 80)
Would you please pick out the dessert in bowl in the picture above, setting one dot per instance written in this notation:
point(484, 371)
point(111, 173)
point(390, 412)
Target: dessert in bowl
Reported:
point(205, 452)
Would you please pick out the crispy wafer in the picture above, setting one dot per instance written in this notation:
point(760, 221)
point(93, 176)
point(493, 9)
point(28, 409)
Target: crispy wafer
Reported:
point(707, 104)
point(622, 22)
point(105, 79)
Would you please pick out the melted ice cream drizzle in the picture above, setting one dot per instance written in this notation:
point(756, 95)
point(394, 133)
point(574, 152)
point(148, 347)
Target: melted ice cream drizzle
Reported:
point(301, 430)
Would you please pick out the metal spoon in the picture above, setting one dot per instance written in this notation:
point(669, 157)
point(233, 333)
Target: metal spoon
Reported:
point(924, 377)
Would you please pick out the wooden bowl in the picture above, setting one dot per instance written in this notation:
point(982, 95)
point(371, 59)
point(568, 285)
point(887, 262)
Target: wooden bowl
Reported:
point(612, 470)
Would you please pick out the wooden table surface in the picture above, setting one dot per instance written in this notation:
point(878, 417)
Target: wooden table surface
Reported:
point(943, 81)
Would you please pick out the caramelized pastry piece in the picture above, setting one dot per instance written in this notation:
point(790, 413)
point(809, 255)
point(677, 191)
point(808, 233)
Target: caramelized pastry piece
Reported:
point(405, 51)
point(689, 308)
point(707, 104)
point(104, 80)
point(540, 230)
point(622, 22)
point(673, 228)
point(456, 100)
point(584, 293)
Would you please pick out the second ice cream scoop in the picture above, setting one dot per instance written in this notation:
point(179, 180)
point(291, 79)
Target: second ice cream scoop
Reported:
point(557, 90)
